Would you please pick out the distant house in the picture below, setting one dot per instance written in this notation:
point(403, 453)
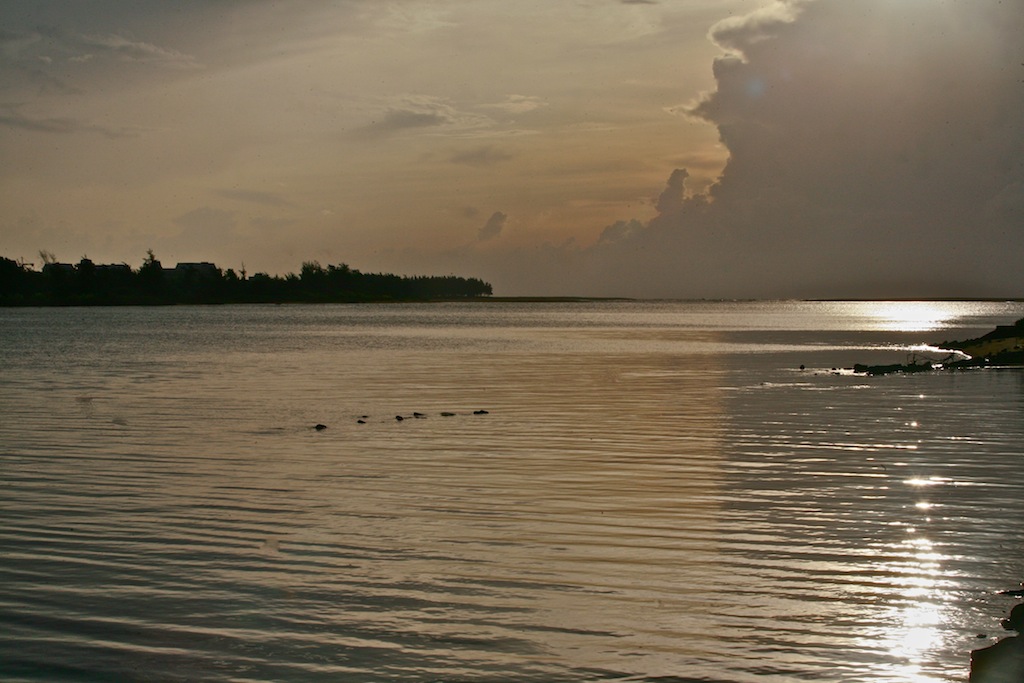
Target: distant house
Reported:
point(54, 268)
point(114, 268)
point(203, 268)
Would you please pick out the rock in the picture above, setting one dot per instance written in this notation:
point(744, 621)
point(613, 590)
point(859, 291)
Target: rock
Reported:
point(908, 368)
point(320, 427)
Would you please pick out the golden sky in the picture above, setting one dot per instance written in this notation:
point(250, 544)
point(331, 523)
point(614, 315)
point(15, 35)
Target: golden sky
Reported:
point(873, 148)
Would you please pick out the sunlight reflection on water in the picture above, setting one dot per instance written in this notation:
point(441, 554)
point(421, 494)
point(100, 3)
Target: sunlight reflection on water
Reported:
point(920, 613)
point(656, 491)
point(910, 316)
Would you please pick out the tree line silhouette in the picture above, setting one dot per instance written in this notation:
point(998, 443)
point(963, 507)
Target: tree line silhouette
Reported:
point(90, 284)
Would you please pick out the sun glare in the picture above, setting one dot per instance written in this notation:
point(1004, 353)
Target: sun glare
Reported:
point(909, 316)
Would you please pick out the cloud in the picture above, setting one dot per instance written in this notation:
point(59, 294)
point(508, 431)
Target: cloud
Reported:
point(11, 117)
point(255, 197)
point(50, 44)
point(32, 79)
point(136, 51)
point(51, 60)
point(737, 34)
point(875, 149)
point(621, 230)
point(493, 227)
point(421, 112)
point(401, 119)
point(517, 104)
point(671, 199)
point(480, 156)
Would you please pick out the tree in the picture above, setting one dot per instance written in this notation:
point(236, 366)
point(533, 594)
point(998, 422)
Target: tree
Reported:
point(151, 278)
point(16, 282)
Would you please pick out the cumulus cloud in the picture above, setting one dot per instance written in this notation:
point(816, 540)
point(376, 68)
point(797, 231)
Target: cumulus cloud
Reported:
point(621, 230)
point(739, 33)
point(671, 199)
point(493, 227)
point(875, 148)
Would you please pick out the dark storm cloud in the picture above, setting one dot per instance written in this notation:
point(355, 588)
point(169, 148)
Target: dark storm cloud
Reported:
point(875, 149)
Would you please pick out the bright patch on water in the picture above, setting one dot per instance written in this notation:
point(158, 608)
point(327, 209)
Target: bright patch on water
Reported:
point(655, 491)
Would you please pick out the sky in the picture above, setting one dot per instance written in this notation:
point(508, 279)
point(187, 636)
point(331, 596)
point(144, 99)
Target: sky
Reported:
point(633, 148)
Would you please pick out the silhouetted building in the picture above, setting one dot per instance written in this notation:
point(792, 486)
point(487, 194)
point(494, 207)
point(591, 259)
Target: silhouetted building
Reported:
point(114, 268)
point(51, 268)
point(200, 268)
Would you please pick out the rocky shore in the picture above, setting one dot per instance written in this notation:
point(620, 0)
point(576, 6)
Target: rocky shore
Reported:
point(1001, 347)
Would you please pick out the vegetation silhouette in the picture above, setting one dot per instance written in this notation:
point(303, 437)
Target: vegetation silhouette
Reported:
point(90, 284)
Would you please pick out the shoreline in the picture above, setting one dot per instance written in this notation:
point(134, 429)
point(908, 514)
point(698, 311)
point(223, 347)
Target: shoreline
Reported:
point(506, 299)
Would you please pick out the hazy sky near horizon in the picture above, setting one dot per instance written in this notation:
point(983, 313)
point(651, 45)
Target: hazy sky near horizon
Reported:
point(659, 148)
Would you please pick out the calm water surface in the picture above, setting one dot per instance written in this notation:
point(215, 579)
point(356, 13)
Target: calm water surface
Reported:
point(656, 493)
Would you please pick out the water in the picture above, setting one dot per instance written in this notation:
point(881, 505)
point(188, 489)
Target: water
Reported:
point(656, 493)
